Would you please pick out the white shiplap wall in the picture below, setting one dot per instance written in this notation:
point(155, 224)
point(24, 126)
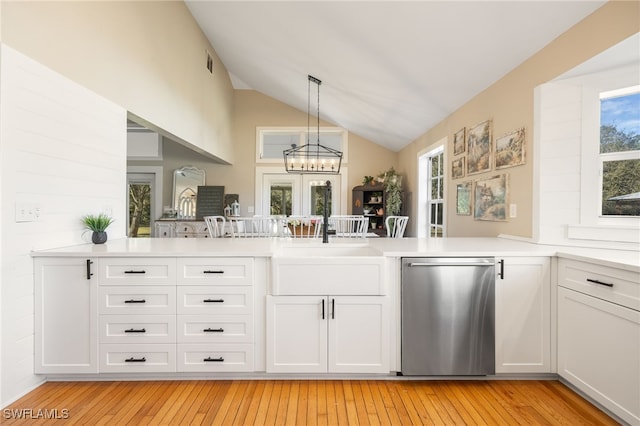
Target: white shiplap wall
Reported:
point(557, 160)
point(63, 150)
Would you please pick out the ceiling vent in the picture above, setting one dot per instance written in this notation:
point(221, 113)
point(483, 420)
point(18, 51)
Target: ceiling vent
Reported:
point(209, 63)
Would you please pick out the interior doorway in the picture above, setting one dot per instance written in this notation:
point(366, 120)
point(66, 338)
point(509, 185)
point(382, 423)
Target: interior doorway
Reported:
point(144, 200)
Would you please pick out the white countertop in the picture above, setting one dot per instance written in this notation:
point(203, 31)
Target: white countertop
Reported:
point(402, 247)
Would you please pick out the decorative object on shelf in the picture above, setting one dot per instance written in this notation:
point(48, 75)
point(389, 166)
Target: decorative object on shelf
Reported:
point(312, 158)
point(457, 168)
point(209, 201)
point(235, 208)
point(490, 198)
point(186, 181)
point(479, 148)
point(463, 198)
point(368, 180)
point(458, 141)
point(98, 224)
point(392, 184)
point(509, 150)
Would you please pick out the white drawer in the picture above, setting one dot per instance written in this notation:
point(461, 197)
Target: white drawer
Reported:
point(135, 270)
point(191, 235)
point(217, 270)
point(137, 300)
point(191, 228)
point(137, 329)
point(615, 285)
point(215, 357)
point(198, 300)
point(215, 329)
point(137, 358)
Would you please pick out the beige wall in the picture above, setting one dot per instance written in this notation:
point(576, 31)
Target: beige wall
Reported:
point(251, 110)
point(509, 103)
point(147, 56)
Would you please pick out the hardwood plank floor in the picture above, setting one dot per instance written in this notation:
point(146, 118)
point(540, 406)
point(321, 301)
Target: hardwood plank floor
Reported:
point(305, 402)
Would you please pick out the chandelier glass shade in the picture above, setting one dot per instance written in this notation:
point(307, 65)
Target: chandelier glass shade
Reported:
point(312, 158)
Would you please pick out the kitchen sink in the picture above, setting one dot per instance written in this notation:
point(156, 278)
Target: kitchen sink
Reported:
point(327, 250)
point(327, 269)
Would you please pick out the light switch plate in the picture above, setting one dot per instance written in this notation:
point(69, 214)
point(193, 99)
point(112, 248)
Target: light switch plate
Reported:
point(513, 210)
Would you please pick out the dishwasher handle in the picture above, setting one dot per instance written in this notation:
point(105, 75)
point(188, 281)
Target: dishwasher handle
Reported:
point(456, 262)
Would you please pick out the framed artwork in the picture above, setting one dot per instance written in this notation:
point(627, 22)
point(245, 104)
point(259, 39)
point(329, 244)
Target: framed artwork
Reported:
point(458, 142)
point(490, 198)
point(479, 148)
point(463, 199)
point(457, 168)
point(510, 149)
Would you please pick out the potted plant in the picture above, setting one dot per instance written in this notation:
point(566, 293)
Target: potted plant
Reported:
point(98, 224)
point(392, 183)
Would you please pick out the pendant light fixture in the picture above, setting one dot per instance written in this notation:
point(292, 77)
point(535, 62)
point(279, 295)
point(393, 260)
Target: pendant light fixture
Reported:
point(312, 158)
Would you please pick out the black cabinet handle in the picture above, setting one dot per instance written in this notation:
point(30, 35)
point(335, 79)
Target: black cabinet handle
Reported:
point(600, 282)
point(213, 301)
point(89, 274)
point(132, 359)
point(213, 330)
point(136, 272)
point(322, 308)
point(134, 330)
point(213, 272)
point(333, 308)
point(209, 359)
point(135, 301)
point(501, 273)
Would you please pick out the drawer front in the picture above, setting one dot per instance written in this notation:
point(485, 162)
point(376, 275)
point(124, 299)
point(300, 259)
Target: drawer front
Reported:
point(226, 300)
point(215, 357)
point(611, 284)
point(137, 358)
point(137, 300)
point(137, 329)
point(138, 271)
point(215, 329)
point(222, 270)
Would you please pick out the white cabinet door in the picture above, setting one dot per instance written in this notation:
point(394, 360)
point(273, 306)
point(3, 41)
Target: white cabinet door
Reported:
point(316, 334)
point(523, 315)
point(296, 334)
point(66, 315)
point(599, 351)
point(358, 334)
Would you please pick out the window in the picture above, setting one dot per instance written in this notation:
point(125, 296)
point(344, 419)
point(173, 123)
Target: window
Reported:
point(281, 199)
point(620, 152)
point(431, 192)
point(271, 142)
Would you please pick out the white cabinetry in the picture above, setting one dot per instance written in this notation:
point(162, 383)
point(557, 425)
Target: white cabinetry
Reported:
point(523, 315)
point(137, 309)
point(181, 229)
point(336, 334)
point(215, 314)
point(66, 316)
point(599, 334)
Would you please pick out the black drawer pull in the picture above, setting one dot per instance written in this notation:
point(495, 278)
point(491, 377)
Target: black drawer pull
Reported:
point(135, 301)
point(133, 330)
point(89, 273)
point(213, 301)
point(599, 282)
point(213, 330)
point(136, 272)
point(132, 359)
point(213, 272)
point(209, 359)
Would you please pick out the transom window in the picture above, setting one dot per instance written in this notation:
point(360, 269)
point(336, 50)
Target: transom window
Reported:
point(272, 141)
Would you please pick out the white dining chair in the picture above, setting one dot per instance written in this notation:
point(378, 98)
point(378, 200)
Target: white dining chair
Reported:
point(396, 225)
point(253, 227)
point(215, 225)
point(303, 226)
point(349, 226)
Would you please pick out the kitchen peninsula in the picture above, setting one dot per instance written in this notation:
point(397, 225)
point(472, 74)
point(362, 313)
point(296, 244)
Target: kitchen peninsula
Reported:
point(197, 308)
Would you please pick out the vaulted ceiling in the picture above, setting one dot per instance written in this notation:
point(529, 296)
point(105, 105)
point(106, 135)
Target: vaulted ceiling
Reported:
point(390, 70)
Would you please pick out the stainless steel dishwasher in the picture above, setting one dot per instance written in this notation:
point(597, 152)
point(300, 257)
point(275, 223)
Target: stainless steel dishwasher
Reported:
point(448, 316)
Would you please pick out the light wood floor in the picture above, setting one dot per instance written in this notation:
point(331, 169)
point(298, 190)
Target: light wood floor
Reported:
point(309, 402)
